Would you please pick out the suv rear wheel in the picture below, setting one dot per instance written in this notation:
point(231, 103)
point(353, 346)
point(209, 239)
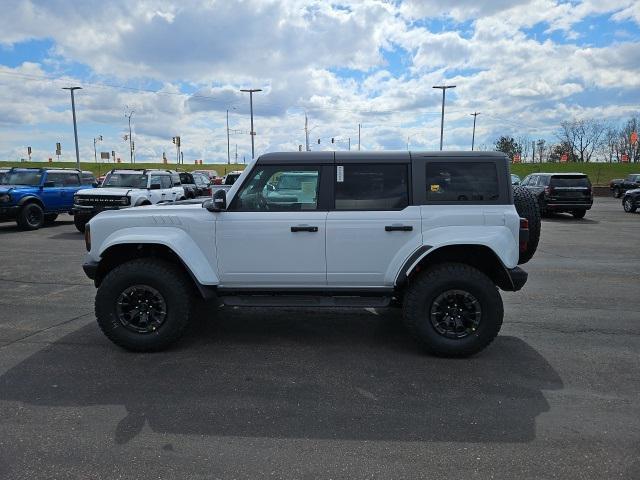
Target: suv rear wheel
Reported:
point(453, 310)
point(617, 192)
point(580, 213)
point(30, 217)
point(144, 305)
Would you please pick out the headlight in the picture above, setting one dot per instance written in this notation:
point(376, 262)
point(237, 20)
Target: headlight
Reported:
point(125, 200)
point(5, 198)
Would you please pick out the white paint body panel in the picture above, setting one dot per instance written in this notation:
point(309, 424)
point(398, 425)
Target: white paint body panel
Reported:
point(360, 252)
point(259, 249)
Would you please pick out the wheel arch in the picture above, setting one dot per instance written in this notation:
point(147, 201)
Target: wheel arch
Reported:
point(119, 253)
point(30, 199)
point(478, 256)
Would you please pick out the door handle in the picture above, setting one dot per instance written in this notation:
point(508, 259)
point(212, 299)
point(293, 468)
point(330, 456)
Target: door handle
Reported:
point(398, 228)
point(304, 228)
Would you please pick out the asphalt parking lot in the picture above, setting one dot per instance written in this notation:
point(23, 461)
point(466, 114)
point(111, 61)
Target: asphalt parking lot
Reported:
point(328, 394)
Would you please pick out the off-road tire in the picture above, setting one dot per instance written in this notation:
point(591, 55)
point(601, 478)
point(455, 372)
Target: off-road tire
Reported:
point(428, 285)
point(80, 222)
point(527, 207)
point(30, 217)
point(617, 192)
point(169, 280)
point(50, 218)
point(628, 206)
point(580, 213)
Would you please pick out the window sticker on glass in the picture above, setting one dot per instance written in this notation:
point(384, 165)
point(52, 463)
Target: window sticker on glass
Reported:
point(435, 188)
point(340, 174)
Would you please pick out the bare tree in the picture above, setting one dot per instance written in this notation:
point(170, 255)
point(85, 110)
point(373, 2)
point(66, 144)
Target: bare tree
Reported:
point(525, 146)
point(582, 136)
point(625, 140)
point(611, 143)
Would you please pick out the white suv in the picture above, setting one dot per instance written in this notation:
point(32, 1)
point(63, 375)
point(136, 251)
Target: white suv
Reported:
point(436, 233)
point(126, 188)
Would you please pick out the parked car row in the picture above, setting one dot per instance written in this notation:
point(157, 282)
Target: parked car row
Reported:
point(36, 196)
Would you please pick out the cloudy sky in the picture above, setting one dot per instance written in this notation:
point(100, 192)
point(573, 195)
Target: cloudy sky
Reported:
point(525, 65)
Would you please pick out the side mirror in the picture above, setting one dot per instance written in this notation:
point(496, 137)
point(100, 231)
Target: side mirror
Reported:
point(217, 203)
point(49, 184)
point(155, 186)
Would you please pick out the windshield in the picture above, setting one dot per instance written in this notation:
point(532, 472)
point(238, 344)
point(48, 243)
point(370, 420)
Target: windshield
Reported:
point(293, 182)
point(570, 181)
point(22, 178)
point(127, 180)
point(231, 178)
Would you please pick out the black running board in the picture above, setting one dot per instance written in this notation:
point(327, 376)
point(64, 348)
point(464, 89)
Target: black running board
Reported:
point(312, 301)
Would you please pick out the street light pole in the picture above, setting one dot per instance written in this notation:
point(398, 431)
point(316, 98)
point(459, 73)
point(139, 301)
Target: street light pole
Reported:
point(473, 137)
point(228, 151)
point(444, 89)
point(75, 127)
point(95, 152)
point(130, 139)
point(252, 133)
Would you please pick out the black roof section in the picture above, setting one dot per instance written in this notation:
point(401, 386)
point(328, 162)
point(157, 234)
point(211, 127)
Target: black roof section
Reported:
point(559, 174)
point(400, 156)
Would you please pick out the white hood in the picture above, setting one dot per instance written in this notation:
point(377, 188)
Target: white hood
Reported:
point(110, 191)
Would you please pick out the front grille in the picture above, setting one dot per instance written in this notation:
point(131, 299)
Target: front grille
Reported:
point(102, 201)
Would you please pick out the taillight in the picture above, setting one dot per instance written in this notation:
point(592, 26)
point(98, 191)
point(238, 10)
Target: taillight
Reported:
point(524, 234)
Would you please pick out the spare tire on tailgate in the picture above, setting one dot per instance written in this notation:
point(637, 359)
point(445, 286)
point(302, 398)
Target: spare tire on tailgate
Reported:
point(527, 207)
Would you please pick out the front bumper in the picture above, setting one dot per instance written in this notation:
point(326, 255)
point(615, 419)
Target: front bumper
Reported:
point(9, 212)
point(90, 269)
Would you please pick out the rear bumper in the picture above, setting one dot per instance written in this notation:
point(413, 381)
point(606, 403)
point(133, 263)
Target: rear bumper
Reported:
point(517, 278)
point(569, 206)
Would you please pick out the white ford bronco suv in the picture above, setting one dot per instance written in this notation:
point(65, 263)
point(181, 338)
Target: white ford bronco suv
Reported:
point(126, 188)
point(436, 233)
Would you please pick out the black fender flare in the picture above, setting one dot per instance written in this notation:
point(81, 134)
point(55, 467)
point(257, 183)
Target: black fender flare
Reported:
point(30, 199)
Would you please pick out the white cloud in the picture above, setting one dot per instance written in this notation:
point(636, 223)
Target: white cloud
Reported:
point(293, 49)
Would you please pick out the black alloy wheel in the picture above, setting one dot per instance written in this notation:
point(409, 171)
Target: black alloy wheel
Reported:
point(141, 309)
point(455, 314)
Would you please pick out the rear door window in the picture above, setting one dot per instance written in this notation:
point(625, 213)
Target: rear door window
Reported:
point(462, 182)
point(371, 187)
point(60, 179)
point(165, 181)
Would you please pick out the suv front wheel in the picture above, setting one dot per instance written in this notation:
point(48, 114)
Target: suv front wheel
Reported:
point(144, 305)
point(453, 310)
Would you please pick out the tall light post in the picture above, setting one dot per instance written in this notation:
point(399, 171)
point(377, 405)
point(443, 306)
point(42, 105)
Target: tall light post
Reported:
point(473, 137)
point(75, 127)
point(130, 139)
point(444, 89)
point(228, 145)
point(252, 133)
point(95, 152)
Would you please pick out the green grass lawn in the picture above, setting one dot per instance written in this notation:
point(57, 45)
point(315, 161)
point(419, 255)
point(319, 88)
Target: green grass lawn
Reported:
point(599, 173)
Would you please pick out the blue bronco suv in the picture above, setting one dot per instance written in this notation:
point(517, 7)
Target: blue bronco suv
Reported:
point(35, 196)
